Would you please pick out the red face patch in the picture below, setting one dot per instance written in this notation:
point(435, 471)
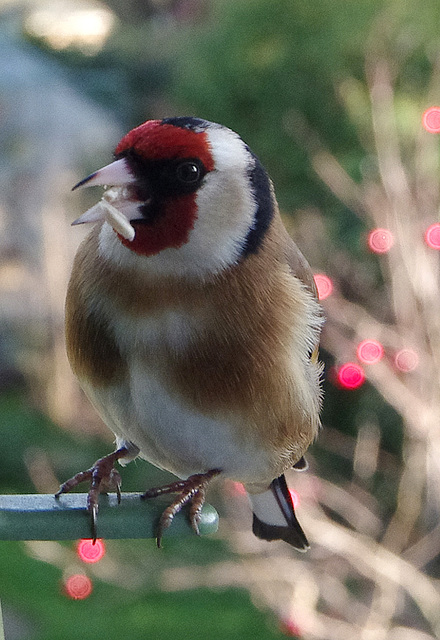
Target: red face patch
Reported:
point(170, 232)
point(152, 141)
point(156, 141)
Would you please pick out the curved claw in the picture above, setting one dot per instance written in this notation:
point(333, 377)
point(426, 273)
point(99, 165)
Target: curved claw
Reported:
point(94, 522)
point(70, 484)
point(118, 483)
point(103, 477)
point(196, 509)
point(192, 490)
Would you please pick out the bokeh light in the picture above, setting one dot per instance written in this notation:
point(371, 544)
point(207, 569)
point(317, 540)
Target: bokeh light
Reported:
point(432, 236)
point(68, 25)
point(380, 240)
point(431, 120)
point(350, 376)
point(369, 351)
point(90, 552)
point(78, 586)
point(289, 627)
point(237, 488)
point(324, 285)
point(406, 360)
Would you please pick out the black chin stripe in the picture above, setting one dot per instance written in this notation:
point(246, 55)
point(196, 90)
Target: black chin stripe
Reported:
point(261, 188)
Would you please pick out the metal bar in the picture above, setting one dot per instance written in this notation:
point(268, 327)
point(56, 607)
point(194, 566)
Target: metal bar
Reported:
point(43, 517)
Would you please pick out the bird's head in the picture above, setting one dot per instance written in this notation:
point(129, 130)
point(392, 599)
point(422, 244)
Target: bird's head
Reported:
point(186, 194)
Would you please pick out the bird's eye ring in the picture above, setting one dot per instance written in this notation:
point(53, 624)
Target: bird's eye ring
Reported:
point(188, 172)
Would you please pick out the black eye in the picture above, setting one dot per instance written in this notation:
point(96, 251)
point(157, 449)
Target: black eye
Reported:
point(188, 172)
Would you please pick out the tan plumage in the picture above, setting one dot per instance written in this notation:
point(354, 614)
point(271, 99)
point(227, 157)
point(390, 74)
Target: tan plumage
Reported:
point(234, 350)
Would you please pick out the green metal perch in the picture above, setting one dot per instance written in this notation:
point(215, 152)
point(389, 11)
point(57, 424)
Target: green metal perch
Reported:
point(42, 517)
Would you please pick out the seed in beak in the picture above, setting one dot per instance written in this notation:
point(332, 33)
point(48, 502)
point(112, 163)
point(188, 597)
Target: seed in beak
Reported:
point(118, 221)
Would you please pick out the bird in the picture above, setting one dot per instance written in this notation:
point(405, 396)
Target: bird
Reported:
point(193, 324)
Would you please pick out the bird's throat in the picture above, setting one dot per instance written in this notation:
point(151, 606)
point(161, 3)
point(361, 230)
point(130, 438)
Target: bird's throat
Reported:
point(170, 229)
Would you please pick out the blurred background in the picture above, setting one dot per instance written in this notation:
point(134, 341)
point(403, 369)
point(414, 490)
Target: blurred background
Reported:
point(338, 100)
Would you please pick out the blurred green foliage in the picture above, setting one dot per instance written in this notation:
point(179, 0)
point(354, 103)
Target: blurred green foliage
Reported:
point(253, 64)
point(32, 590)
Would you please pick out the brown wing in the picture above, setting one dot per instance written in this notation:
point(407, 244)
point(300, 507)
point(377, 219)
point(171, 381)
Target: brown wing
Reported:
point(299, 266)
point(301, 269)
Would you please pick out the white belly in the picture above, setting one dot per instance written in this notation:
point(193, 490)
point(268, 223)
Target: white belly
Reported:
point(173, 436)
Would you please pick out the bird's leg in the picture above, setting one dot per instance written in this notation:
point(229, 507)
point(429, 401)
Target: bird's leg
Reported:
point(192, 490)
point(103, 477)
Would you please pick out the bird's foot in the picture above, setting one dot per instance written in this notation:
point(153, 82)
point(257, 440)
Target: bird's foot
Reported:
point(103, 477)
point(192, 490)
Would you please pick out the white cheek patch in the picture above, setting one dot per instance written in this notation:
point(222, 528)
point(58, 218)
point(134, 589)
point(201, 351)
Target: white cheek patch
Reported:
point(226, 204)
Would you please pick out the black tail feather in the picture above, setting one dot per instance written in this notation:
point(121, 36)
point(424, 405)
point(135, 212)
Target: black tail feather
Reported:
point(292, 533)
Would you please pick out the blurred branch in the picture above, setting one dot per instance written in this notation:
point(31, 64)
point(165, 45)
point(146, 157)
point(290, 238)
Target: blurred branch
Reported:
point(376, 563)
point(324, 162)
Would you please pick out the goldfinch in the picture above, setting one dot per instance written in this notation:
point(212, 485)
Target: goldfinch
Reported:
point(192, 323)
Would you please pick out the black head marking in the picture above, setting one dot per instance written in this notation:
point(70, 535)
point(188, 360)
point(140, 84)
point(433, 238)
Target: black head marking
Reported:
point(262, 190)
point(187, 122)
point(159, 180)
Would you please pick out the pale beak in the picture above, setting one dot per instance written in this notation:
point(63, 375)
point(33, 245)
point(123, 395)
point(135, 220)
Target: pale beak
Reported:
point(115, 207)
point(115, 174)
